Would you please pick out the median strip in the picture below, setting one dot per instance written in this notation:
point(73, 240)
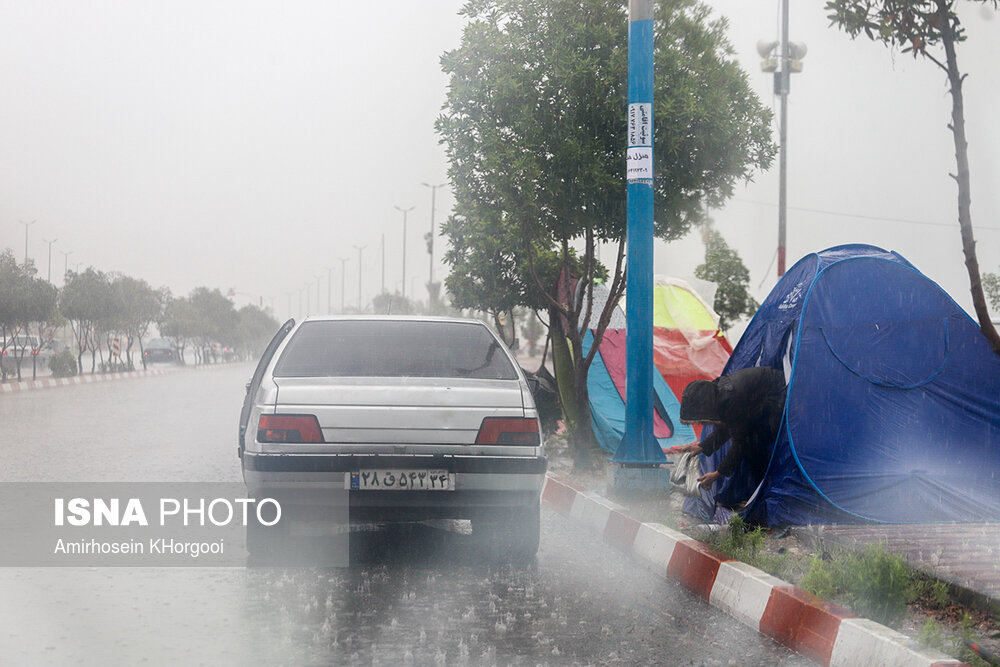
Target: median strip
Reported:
point(821, 631)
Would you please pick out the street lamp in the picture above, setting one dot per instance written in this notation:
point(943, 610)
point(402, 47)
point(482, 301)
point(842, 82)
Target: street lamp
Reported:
point(26, 225)
point(404, 211)
point(789, 60)
point(430, 236)
point(50, 258)
point(359, 249)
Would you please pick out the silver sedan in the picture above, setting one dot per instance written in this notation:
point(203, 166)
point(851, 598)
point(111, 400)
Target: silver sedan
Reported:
point(407, 418)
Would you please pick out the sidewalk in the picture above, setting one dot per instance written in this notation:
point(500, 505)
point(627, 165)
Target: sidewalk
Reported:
point(966, 555)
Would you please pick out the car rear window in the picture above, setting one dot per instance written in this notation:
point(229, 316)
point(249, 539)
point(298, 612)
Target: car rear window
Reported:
point(372, 348)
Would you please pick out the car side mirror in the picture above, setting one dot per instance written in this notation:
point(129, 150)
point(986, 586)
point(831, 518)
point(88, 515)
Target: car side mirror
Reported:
point(533, 385)
point(247, 386)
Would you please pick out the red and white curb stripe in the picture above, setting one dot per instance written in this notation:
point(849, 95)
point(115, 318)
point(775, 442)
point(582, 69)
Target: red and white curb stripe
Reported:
point(48, 383)
point(818, 630)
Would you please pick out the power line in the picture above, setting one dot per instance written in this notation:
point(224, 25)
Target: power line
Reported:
point(864, 217)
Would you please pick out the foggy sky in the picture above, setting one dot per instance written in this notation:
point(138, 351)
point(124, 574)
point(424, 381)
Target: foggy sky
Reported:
point(249, 145)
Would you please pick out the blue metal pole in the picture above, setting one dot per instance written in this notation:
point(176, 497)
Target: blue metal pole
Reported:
point(639, 446)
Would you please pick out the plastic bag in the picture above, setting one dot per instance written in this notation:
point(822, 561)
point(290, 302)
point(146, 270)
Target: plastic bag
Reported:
point(685, 474)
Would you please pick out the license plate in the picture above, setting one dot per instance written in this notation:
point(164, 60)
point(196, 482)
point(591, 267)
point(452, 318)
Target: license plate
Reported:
point(401, 480)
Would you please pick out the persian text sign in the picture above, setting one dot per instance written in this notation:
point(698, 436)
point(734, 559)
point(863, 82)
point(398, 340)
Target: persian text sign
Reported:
point(639, 165)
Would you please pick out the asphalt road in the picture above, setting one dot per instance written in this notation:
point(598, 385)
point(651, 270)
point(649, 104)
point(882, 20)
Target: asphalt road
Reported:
point(413, 595)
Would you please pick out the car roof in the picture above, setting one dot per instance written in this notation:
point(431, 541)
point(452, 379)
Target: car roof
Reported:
point(392, 318)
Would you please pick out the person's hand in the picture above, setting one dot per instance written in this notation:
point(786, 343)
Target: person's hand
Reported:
point(691, 448)
point(706, 480)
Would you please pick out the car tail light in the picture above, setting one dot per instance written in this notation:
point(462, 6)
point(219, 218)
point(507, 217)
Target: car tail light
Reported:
point(288, 428)
point(509, 431)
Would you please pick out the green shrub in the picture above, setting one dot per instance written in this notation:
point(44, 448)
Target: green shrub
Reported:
point(874, 583)
point(930, 635)
point(932, 592)
point(63, 365)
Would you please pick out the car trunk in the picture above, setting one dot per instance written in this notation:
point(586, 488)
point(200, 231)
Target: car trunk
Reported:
point(399, 410)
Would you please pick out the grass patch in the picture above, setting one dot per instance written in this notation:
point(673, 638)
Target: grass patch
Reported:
point(873, 583)
point(956, 645)
point(746, 544)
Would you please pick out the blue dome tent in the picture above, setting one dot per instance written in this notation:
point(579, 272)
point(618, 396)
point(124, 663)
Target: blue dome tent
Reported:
point(893, 406)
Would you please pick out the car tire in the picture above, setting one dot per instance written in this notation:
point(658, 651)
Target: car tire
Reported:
point(510, 534)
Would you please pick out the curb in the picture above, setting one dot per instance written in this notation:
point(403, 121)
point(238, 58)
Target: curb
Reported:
point(48, 383)
point(821, 631)
point(28, 385)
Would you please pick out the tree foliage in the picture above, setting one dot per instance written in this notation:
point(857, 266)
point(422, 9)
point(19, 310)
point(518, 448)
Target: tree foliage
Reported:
point(724, 267)
point(931, 29)
point(534, 128)
point(27, 306)
point(205, 319)
point(991, 283)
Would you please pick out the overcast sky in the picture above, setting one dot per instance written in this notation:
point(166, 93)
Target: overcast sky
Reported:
point(249, 145)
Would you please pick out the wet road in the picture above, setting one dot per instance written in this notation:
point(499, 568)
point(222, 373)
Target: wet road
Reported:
point(414, 595)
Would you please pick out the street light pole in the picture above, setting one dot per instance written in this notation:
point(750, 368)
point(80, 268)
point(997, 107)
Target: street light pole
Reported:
point(639, 447)
point(26, 225)
point(329, 290)
point(359, 249)
point(343, 281)
point(789, 60)
point(50, 258)
point(66, 254)
point(383, 264)
point(783, 139)
point(405, 211)
point(430, 236)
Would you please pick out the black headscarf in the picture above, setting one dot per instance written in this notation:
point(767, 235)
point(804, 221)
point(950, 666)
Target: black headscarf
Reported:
point(700, 402)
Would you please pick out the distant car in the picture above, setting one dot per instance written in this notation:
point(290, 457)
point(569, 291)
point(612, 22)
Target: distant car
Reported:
point(24, 348)
point(416, 418)
point(160, 350)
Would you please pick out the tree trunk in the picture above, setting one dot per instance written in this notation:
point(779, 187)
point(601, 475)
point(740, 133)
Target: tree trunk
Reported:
point(955, 78)
point(584, 440)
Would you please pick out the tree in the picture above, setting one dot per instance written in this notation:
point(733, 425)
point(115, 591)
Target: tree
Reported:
point(915, 26)
point(387, 303)
point(178, 322)
point(86, 302)
point(724, 267)
point(12, 277)
point(140, 305)
point(534, 128)
point(25, 300)
point(255, 328)
point(40, 310)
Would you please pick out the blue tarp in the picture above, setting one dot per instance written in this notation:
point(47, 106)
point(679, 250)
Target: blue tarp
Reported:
point(893, 408)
